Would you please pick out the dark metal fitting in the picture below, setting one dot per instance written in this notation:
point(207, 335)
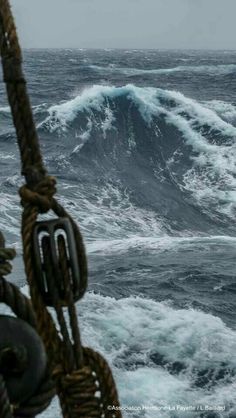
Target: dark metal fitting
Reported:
point(51, 266)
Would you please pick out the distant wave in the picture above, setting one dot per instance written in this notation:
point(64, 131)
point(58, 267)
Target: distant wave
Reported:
point(155, 244)
point(211, 70)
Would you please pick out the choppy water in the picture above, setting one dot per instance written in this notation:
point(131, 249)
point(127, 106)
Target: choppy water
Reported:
point(143, 146)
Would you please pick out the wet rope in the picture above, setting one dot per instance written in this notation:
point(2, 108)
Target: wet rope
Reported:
point(83, 379)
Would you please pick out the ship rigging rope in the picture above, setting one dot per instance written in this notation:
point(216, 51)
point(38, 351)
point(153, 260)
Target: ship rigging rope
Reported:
point(83, 379)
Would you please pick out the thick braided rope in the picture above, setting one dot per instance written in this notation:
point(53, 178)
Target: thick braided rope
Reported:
point(78, 390)
point(89, 391)
point(109, 394)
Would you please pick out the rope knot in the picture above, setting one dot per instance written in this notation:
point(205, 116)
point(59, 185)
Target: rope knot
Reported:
point(80, 389)
point(41, 195)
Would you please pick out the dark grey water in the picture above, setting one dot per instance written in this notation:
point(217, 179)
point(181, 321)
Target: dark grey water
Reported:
point(143, 146)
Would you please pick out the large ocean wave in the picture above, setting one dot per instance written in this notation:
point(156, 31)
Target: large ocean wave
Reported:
point(181, 150)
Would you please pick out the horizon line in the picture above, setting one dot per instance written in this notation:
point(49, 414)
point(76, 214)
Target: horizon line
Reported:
point(130, 49)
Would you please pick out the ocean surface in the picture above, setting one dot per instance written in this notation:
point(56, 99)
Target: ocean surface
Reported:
point(143, 144)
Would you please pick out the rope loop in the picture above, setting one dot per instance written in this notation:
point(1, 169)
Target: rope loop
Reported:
point(41, 196)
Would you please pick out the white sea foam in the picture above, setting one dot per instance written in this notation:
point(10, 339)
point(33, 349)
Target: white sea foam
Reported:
point(157, 244)
point(107, 212)
point(7, 156)
point(10, 215)
point(85, 135)
point(223, 109)
point(5, 109)
point(107, 124)
point(198, 113)
point(130, 331)
point(212, 178)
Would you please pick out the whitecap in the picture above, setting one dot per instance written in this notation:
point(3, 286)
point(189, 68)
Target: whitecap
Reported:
point(137, 335)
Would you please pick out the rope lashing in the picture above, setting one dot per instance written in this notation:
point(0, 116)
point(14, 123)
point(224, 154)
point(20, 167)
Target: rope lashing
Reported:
point(83, 379)
point(41, 196)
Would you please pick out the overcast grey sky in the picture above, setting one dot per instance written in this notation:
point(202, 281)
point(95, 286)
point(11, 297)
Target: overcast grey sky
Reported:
point(126, 23)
